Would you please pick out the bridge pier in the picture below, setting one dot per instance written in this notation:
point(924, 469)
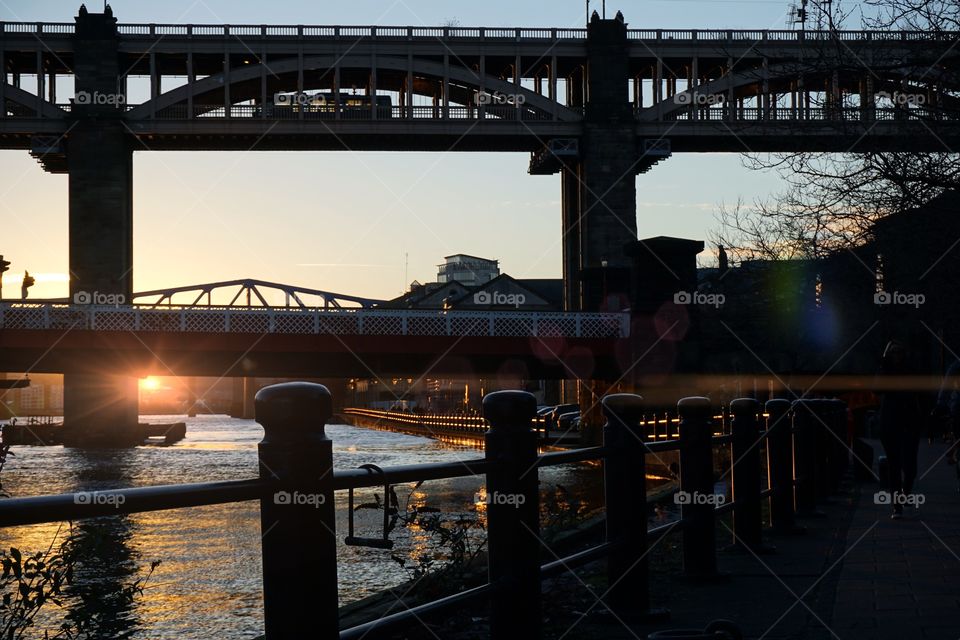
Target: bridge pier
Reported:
point(99, 409)
point(600, 197)
point(599, 188)
point(244, 391)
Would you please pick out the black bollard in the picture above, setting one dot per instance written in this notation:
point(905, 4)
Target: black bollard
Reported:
point(696, 488)
point(624, 481)
point(297, 521)
point(806, 425)
point(745, 451)
point(780, 467)
point(513, 515)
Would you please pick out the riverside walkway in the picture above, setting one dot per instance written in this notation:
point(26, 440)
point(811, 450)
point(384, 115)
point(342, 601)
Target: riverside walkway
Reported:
point(854, 575)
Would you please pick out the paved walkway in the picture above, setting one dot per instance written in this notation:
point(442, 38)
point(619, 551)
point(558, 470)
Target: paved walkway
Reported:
point(855, 575)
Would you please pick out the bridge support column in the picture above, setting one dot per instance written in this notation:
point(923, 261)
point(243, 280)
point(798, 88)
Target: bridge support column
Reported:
point(600, 198)
point(244, 390)
point(100, 408)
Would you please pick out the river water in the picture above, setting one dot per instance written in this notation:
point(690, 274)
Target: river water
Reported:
point(208, 584)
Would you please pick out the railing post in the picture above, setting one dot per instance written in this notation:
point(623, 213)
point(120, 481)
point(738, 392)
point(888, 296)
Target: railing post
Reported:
point(297, 519)
point(780, 466)
point(805, 457)
point(513, 512)
point(625, 490)
point(745, 452)
point(696, 486)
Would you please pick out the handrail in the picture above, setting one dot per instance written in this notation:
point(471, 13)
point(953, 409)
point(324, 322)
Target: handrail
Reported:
point(92, 504)
point(201, 31)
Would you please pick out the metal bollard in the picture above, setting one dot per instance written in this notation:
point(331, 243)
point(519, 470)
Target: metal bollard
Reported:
point(513, 515)
point(747, 525)
point(780, 466)
point(696, 485)
point(297, 520)
point(624, 481)
point(805, 458)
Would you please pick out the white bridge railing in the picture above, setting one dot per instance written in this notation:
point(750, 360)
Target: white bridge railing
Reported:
point(385, 322)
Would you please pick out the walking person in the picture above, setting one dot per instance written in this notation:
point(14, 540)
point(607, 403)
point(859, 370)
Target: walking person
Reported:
point(900, 422)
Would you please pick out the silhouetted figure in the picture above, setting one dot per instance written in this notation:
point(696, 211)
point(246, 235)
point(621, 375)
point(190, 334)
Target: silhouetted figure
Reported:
point(28, 282)
point(83, 10)
point(595, 17)
point(619, 16)
point(948, 406)
point(722, 260)
point(899, 424)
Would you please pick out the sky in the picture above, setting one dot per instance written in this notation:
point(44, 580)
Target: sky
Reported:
point(361, 223)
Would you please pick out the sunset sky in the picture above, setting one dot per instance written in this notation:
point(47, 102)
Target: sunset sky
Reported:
point(345, 221)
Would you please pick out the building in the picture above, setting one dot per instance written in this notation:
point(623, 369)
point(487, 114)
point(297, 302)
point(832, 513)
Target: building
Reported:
point(469, 271)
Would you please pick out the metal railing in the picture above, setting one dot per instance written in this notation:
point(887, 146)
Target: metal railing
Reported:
point(810, 114)
point(478, 33)
point(400, 322)
point(804, 465)
point(383, 113)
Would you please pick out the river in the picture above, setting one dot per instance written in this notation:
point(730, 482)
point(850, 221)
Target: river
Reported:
point(208, 584)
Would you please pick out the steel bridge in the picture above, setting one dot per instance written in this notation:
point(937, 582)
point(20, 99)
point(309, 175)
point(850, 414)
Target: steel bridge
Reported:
point(250, 291)
point(99, 341)
point(214, 87)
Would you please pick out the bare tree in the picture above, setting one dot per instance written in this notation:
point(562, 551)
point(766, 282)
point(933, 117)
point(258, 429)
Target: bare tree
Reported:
point(831, 201)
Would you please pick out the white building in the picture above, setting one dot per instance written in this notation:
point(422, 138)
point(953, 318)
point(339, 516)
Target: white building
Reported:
point(467, 270)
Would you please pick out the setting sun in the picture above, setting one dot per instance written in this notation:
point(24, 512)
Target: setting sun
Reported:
point(149, 384)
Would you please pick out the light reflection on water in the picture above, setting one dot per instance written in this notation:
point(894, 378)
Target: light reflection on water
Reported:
point(209, 582)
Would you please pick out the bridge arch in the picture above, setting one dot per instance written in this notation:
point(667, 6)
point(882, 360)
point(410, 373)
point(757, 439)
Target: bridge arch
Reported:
point(283, 77)
point(779, 75)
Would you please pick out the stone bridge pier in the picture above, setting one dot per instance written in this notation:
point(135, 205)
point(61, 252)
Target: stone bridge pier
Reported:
point(100, 409)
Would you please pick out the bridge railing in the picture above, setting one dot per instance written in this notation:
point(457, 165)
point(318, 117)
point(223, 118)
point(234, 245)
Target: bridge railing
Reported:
point(478, 33)
point(721, 112)
point(403, 322)
point(803, 466)
point(394, 112)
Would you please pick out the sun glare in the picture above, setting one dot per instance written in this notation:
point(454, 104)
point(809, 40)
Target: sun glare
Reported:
point(149, 384)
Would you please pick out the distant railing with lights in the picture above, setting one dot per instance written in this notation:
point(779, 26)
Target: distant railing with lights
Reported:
point(805, 459)
point(404, 322)
point(201, 31)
